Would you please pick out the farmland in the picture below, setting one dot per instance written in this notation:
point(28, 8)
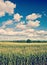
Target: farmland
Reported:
point(23, 53)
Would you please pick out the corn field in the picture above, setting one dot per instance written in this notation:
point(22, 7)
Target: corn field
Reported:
point(28, 54)
point(22, 60)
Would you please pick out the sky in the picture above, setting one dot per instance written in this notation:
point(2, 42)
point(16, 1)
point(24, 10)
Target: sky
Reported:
point(23, 19)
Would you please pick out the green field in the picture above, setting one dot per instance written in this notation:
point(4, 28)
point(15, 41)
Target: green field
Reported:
point(12, 53)
point(23, 48)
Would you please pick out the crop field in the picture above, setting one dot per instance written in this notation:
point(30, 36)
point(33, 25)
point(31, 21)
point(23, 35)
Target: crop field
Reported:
point(12, 53)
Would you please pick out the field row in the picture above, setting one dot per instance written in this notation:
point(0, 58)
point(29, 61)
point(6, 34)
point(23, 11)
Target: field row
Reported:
point(23, 53)
point(23, 48)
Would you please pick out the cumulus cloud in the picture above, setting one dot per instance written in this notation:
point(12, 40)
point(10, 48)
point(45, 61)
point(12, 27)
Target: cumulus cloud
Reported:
point(42, 32)
point(21, 31)
point(37, 35)
point(29, 30)
point(8, 22)
point(5, 23)
point(33, 16)
point(6, 7)
point(33, 23)
point(24, 34)
point(7, 32)
point(17, 17)
point(2, 13)
point(32, 20)
point(21, 26)
point(10, 7)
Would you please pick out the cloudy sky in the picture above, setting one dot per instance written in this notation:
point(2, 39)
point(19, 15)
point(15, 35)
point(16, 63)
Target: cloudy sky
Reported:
point(23, 19)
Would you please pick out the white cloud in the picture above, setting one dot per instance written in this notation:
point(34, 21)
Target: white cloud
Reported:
point(33, 16)
point(37, 35)
point(25, 30)
point(5, 23)
point(42, 32)
point(1, 0)
point(21, 31)
point(10, 7)
point(21, 26)
point(29, 30)
point(2, 13)
point(17, 17)
point(3, 26)
point(7, 32)
point(8, 22)
point(2, 31)
point(24, 34)
point(33, 23)
point(6, 7)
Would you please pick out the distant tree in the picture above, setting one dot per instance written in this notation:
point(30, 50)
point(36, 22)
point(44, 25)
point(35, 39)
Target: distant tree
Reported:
point(28, 41)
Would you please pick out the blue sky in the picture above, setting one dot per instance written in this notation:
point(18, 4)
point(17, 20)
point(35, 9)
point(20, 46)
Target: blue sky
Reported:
point(23, 18)
point(26, 7)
